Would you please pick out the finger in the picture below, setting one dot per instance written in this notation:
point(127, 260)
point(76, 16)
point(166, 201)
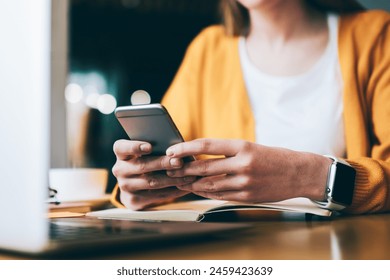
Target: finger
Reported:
point(126, 149)
point(151, 182)
point(141, 165)
point(207, 167)
point(205, 146)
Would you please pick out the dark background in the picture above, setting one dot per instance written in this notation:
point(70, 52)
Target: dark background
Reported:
point(134, 44)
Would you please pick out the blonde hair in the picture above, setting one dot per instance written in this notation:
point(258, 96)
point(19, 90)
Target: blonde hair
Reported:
point(236, 19)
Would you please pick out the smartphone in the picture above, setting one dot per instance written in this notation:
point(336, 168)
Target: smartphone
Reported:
point(150, 123)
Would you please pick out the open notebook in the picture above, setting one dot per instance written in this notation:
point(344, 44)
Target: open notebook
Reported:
point(197, 209)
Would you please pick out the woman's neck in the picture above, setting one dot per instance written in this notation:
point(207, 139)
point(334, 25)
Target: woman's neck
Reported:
point(280, 21)
point(286, 37)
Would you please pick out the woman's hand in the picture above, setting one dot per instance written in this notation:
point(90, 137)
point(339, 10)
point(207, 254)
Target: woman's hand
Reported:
point(142, 179)
point(250, 172)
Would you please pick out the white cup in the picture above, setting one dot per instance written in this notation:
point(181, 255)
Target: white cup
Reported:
point(78, 184)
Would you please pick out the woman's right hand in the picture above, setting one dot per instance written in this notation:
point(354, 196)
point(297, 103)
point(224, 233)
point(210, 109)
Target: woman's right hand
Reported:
point(142, 178)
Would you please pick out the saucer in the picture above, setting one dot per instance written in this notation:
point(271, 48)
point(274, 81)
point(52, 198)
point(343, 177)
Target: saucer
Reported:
point(92, 201)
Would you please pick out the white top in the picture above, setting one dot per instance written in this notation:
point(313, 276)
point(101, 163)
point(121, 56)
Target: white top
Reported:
point(303, 112)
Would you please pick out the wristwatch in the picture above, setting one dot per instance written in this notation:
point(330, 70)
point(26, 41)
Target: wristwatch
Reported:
point(340, 185)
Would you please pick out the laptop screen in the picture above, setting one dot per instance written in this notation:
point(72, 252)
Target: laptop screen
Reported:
point(25, 75)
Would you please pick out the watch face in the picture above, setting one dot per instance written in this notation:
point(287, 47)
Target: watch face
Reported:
point(344, 184)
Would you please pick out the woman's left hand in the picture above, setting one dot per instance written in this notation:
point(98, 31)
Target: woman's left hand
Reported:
point(250, 172)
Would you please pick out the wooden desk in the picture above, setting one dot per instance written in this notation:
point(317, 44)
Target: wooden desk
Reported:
point(282, 237)
point(360, 237)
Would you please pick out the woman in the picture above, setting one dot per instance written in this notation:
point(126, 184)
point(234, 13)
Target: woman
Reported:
point(280, 85)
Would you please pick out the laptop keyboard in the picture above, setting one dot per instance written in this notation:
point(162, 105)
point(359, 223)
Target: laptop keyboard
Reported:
point(63, 232)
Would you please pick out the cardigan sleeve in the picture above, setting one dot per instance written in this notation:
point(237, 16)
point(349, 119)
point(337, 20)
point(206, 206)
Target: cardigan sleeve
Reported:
point(372, 185)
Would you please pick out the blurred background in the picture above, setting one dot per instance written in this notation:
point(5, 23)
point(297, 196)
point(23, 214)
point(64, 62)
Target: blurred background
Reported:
point(116, 47)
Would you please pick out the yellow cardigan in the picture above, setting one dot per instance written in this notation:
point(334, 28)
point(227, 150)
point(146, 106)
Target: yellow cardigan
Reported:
point(208, 99)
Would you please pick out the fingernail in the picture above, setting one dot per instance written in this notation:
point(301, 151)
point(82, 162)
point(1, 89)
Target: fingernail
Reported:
point(144, 147)
point(170, 173)
point(170, 152)
point(175, 162)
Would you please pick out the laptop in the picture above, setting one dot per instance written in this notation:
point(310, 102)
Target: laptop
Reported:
point(26, 74)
